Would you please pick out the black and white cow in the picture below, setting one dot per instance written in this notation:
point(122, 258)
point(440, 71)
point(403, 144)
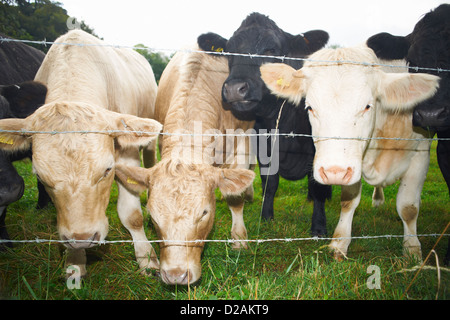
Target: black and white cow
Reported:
point(19, 98)
point(16, 101)
point(251, 100)
point(428, 46)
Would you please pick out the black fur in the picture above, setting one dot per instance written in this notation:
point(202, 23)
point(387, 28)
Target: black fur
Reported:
point(18, 65)
point(260, 35)
point(428, 47)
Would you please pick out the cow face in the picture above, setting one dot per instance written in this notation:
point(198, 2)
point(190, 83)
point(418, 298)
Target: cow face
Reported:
point(76, 169)
point(243, 89)
point(182, 206)
point(24, 98)
point(343, 100)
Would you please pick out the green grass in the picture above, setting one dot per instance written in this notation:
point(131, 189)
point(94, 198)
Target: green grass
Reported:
point(270, 270)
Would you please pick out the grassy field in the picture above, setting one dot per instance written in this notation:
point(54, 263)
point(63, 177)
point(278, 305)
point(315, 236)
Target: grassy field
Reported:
point(272, 270)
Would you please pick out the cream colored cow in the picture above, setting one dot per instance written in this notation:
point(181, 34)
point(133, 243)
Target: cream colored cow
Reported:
point(90, 88)
point(182, 185)
point(349, 103)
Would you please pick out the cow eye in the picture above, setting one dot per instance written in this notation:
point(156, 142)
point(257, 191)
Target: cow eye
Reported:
point(107, 171)
point(308, 108)
point(368, 107)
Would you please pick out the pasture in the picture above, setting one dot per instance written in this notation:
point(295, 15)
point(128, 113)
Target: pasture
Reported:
point(278, 270)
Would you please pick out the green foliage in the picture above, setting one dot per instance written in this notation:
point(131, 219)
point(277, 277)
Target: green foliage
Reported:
point(158, 61)
point(37, 20)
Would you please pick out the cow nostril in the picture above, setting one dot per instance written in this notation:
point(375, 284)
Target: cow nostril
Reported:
point(235, 91)
point(243, 89)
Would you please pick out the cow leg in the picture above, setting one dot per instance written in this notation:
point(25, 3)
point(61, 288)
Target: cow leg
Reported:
point(238, 230)
point(377, 197)
point(43, 197)
point(318, 193)
point(269, 185)
point(3, 232)
point(350, 197)
point(408, 201)
point(443, 156)
point(149, 154)
point(130, 214)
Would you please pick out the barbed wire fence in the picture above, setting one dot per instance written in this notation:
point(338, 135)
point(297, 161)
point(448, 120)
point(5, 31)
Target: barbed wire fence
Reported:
point(275, 134)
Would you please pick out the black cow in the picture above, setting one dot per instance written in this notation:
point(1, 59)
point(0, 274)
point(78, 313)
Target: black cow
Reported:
point(250, 99)
point(16, 101)
point(428, 46)
point(18, 64)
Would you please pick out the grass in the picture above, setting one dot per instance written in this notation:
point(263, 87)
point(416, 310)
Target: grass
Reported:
point(279, 270)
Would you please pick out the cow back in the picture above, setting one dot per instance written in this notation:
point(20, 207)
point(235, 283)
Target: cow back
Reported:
point(79, 67)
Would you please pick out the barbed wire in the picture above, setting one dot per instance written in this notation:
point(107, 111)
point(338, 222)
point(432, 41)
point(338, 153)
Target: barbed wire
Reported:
point(229, 241)
point(224, 53)
point(240, 134)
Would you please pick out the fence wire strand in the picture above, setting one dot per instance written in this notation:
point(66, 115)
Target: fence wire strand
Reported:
point(267, 134)
point(223, 53)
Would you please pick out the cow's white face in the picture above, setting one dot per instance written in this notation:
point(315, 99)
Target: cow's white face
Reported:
point(342, 100)
point(77, 169)
point(182, 205)
point(340, 106)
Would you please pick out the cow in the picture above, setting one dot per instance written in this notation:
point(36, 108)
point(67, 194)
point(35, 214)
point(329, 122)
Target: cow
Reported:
point(182, 184)
point(428, 46)
point(357, 113)
point(19, 97)
point(16, 101)
point(245, 94)
point(100, 100)
point(18, 62)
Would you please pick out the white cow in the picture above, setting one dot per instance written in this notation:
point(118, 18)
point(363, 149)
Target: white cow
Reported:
point(360, 102)
point(90, 88)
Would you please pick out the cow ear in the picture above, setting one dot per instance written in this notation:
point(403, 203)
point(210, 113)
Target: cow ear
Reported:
point(25, 98)
point(134, 179)
point(283, 81)
point(135, 131)
point(389, 47)
point(308, 43)
point(233, 182)
point(212, 42)
point(403, 91)
point(316, 39)
point(17, 139)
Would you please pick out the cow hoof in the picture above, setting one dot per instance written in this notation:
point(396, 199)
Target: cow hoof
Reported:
point(320, 233)
point(239, 245)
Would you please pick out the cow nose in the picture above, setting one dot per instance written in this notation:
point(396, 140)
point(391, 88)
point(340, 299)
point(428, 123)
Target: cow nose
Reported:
point(81, 240)
point(177, 276)
point(12, 192)
point(336, 175)
point(235, 91)
point(431, 118)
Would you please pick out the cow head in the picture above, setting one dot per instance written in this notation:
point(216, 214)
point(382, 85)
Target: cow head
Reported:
point(182, 206)
point(343, 100)
point(425, 47)
point(24, 98)
point(243, 89)
point(16, 101)
point(77, 169)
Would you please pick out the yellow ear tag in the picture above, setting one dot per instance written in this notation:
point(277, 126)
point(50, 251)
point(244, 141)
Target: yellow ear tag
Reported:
point(281, 83)
point(131, 181)
point(217, 50)
point(6, 141)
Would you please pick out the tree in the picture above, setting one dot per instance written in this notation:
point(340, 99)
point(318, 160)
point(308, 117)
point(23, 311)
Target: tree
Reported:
point(158, 61)
point(35, 20)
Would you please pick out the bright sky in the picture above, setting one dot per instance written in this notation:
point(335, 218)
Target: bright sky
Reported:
point(173, 24)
